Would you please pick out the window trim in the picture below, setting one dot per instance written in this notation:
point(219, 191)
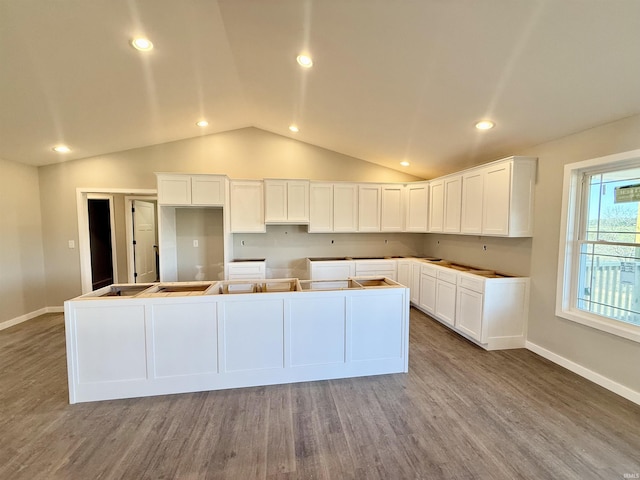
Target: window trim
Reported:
point(570, 223)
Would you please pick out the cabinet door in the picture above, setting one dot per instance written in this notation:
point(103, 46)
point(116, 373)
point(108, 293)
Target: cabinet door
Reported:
point(404, 273)
point(174, 189)
point(340, 270)
point(469, 313)
point(369, 202)
point(417, 199)
point(446, 302)
point(452, 204)
point(428, 293)
point(391, 219)
point(345, 207)
point(320, 207)
point(415, 283)
point(275, 201)
point(207, 190)
point(298, 201)
point(436, 206)
point(497, 199)
point(247, 206)
point(472, 198)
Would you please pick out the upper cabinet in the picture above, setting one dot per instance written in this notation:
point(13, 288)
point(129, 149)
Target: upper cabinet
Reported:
point(452, 203)
point(247, 206)
point(333, 207)
point(436, 206)
point(286, 201)
point(320, 207)
point(201, 190)
point(497, 198)
point(417, 202)
point(369, 204)
point(392, 208)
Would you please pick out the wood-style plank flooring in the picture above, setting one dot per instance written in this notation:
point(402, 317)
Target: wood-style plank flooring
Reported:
point(460, 413)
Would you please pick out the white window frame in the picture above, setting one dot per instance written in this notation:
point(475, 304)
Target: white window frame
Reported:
point(568, 262)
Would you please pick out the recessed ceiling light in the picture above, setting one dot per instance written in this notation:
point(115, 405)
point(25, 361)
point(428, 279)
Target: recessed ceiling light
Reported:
point(485, 125)
point(294, 129)
point(142, 44)
point(202, 123)
point(61, 149)
point(304, 61)
point(404, 163)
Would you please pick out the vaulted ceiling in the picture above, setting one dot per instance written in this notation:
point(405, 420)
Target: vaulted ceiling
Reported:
point(392, 80)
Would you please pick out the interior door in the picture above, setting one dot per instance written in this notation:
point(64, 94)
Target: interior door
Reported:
point(144, 242)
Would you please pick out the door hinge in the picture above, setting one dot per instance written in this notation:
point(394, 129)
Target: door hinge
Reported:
point(134, 242)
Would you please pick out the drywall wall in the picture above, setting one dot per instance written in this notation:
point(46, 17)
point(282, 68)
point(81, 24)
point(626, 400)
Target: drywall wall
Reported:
point(286, 247)
point(245, 153)
point(205, 226)
point(608, 355)
point(22, 280)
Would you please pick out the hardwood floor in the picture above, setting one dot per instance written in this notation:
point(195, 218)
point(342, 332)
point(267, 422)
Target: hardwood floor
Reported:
point(460, 413)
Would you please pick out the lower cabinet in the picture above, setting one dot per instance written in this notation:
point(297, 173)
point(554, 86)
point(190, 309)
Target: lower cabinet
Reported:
point(445, 307)
point(247, 270)
point(414, 285)
point(469, 313)
point(427, 298)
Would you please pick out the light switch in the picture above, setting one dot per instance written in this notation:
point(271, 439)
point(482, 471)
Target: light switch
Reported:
point(72, 244)
point(195, 243)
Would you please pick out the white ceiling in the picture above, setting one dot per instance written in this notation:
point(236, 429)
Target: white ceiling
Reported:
point(392, 80)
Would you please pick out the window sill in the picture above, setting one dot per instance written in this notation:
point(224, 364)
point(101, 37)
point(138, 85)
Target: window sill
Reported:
point(604, 324)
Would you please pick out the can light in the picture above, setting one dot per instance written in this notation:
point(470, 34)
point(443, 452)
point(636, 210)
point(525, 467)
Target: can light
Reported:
point(202, 123)
point(142, 44)
point(61, 149)
point(304, 61)
point(404, 163)
point(485, 125)
point(294, 128)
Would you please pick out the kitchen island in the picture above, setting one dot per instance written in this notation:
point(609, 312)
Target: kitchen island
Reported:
point(139, 340)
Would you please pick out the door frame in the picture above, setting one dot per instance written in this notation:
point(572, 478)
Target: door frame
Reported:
point(84, 247)
point(128, 220)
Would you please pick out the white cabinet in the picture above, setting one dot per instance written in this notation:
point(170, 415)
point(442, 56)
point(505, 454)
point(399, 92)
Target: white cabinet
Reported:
point(286, 201)
point(508, 197)
point(497, 198)
point(333, 207)
point(247, 206)
point(376, 268)
point(392, 208)
point(472, 193)
point(404, 272)
point(492, 310)
point(345, 207)
point(330, 269)
point(247, 270)
point(436, 206)
point(446, 301)
point(452, 203)
point(320, 207)
point(417, 213)
point(201, 190)
point(369, 205)
point(428, 287)
point(415, 282)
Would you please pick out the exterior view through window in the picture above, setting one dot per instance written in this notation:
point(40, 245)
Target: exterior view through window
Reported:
point(609, 240)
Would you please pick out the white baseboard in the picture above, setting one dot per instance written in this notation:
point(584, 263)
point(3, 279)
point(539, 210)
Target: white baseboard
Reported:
point(601, 380)
point(29, 316)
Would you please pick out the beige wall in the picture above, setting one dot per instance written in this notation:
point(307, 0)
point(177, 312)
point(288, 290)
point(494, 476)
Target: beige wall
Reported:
point(206, 226)
point(615, 358)
point(245, 153)
point(22, 281)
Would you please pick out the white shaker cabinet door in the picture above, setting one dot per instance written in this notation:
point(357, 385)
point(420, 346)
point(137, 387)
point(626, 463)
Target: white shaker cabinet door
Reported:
point(345, 207)
point(320, 207)
point(247, 206)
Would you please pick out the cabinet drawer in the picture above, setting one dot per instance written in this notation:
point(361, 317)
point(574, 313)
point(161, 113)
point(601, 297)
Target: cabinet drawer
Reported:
point(428, 270)
point(471, 282)
point(246, 270)
point(447, 275)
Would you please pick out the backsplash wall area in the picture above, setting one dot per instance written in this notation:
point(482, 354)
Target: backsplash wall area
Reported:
point(286, 247)
point(507, 255)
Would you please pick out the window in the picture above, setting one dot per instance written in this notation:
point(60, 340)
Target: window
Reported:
point(599, 267)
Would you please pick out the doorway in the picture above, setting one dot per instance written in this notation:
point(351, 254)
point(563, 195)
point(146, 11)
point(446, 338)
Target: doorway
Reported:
point(101, 241)
point(144, 257)
point(121, 232)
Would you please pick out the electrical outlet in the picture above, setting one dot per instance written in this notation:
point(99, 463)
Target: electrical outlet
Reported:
point(484, 247)
point(242, 242)
point(195, 243)
point(72, 244)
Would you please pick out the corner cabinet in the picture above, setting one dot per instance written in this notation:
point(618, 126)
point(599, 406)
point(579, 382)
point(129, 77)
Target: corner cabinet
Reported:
point(199, 190)
point(286, 201)
point(247, 206)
